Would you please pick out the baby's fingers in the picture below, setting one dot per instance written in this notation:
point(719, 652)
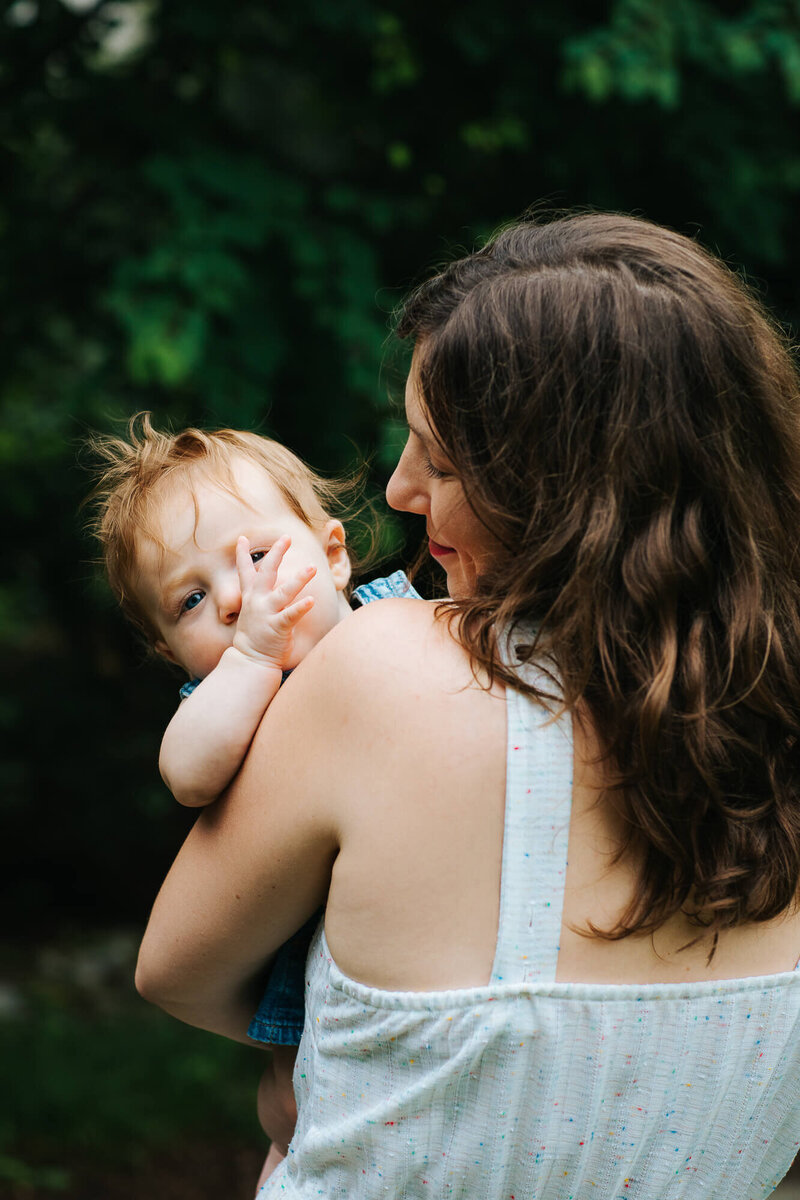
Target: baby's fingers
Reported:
point(271, 562)
point(266, 573)
point(287, 618)
point(294, 584)
point(244, 563)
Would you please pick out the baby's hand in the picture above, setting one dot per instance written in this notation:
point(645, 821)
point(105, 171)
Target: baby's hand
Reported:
point(269, 611)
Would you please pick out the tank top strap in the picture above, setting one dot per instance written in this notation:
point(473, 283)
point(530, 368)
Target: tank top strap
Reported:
point(536, 832)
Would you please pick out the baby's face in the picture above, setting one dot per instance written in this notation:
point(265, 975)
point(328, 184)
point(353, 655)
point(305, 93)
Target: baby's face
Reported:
point(191, 592)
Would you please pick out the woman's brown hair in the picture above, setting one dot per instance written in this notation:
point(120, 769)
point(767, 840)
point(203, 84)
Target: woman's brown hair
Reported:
point(625, 419)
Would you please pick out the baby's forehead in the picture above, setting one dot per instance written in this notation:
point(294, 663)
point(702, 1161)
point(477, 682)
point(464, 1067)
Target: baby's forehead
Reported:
point(184, 495)
point(175, 501)
point(169, 519)
point(179, 505)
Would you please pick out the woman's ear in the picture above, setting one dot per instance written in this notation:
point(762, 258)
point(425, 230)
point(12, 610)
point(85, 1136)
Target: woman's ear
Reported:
point(333, 539)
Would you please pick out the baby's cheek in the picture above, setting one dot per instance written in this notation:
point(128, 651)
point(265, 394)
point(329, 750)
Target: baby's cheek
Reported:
point(320, 620)
point(304, 639)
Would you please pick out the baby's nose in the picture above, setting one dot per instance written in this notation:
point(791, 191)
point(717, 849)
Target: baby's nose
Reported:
point(230, 602)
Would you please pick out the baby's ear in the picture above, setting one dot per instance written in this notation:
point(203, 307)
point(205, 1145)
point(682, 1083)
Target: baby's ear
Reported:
point(333, 538)
point(163, 649)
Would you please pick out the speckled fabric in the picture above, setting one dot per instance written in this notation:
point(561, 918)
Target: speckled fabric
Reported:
point(527, 1089)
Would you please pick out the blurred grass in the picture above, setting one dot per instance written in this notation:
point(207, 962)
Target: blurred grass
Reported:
point(95, 1076)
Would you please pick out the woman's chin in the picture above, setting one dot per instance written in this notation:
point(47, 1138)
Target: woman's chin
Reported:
point(457, 586)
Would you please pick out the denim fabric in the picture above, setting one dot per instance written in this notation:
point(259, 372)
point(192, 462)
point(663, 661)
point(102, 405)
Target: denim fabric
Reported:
point(381, 589)
point(279, 1017)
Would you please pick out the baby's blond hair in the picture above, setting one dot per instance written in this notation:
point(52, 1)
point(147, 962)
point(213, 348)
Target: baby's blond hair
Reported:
point(130, 490)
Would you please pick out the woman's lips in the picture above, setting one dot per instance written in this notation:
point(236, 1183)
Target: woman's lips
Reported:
point(439, 551)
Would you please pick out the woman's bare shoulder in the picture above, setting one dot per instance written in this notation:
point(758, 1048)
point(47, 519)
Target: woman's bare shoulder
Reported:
point(380, 673)
point(394, 614)
point(387, 640)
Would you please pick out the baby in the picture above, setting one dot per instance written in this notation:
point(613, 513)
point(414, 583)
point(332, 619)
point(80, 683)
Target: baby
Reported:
point(221, 550)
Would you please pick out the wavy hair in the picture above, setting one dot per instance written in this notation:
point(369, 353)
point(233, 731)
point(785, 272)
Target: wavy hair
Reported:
point(625, 419)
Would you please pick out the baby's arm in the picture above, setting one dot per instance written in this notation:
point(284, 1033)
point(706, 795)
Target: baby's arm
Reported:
point(208, 737)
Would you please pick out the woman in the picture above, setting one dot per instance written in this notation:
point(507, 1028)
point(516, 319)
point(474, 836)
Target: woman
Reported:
point(555, 823)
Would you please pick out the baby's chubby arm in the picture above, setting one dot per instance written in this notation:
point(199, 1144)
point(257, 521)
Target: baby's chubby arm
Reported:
point(207, 739)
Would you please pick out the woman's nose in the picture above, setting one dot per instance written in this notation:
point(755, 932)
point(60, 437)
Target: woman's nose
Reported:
point(402, 492)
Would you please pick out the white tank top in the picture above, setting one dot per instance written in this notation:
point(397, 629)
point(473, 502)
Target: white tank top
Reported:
point(528, 1089)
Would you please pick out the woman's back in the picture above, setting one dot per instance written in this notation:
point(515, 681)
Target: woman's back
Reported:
point(414, 897)
point(523, 1084)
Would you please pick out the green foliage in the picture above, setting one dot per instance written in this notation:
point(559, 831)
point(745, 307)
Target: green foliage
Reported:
point(209, 210)
point(101, 1081)
point(118, 1086)
point(646, 48)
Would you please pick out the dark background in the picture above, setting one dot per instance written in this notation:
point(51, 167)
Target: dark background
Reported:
point(209, 210)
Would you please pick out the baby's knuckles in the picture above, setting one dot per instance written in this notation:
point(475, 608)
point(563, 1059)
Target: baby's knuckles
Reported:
point(270, 647)
point(266, 622)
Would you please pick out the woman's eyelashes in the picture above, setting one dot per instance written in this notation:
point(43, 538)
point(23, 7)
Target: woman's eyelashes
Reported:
point(427, 465)
point(431, 470)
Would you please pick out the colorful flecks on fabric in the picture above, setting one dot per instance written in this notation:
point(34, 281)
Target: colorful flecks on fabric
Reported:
point(531, 1088)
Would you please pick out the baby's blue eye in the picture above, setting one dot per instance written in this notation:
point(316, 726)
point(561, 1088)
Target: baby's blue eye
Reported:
point(192, 601)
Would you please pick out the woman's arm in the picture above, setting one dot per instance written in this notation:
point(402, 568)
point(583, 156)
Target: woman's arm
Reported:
point(374, 784)
point(258, 863)
point(254, 867)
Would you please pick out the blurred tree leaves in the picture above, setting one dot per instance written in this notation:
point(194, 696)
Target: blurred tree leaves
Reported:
point(209, 210)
